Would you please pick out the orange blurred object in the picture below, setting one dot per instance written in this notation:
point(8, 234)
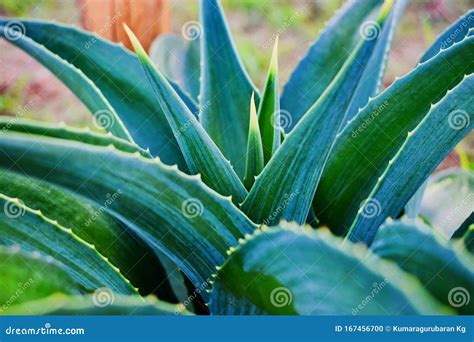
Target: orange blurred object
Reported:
point(146, 18)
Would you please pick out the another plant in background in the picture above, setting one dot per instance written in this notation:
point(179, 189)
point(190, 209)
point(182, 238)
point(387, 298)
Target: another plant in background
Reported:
point(100, 219)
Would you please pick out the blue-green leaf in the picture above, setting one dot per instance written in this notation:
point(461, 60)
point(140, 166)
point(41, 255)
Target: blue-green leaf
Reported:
point(225, 87)
point(297, 165)
point(424, 148)
point(365, 146)
point(254, 148)
point(201, 154)
point(290, 270)
point(32, 231)
point(120, 78)
point(442, 269)
point(325, 58)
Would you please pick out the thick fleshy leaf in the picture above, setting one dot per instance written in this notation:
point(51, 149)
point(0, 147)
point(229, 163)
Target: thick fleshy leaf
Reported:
point(325, 58)
point(32, 231)
point(90, 221)
point(225, 87)
point(423, 150)
point(291, 270)
point(442, 269)
point(363, 149)
point(105, 303)
point(176, 212)
point(74, 79)
point(62, 131)
point(25, 276)
point(296, 167)
point(453, 34)
point(449, 198)
point(201, 154)
point(254, 148)
point(179, 59)
point(372, 78)
point(122, 82)
point(269, 115)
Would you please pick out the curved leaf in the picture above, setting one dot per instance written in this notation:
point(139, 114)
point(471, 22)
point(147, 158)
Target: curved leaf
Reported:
point(201, 154)
point(225, 87)
point(449, 198)
point(176, 212)
point(441, 269)
point(365, 146)
point(122, 82)
point(61, 305)
point(269, 115)
point(24, 277)
point(255, 153)
point(297, 165)
point(91, 222)
point(294, 270)
point(32, 231)
point(424, 149)
point(325, 58)
point(75, 80)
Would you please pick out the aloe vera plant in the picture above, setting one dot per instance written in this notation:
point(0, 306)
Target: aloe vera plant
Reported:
point(256, 202)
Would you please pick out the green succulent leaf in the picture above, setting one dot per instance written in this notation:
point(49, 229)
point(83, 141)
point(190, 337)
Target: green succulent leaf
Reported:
point(118, 75)
point(448, 270)
point(269, 115)
point(375, 135)
point(111, 305)
point(74, 79)
point(372, 78)
point(254, 148)
point(296, 167)
point(424, 149)
point(175, 212)
point(449, 197)
point(91, 222)
point(453, 34)
point(179, 60)
point(201, 154)
point(26, 277)
point(62, 131)
point(325, 58)
point(467, 240)
point(225, 87)
point(32, 231)
point(284, 270)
